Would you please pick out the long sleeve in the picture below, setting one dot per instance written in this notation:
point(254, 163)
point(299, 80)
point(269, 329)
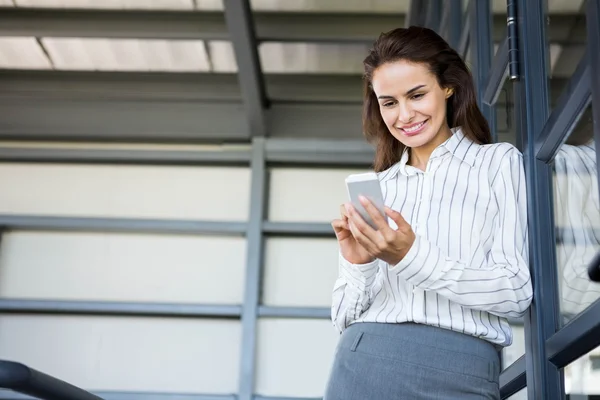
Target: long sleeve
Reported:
point(501, 285)
point(352, 291)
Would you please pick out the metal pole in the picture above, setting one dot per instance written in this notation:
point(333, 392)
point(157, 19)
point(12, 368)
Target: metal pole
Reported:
point(482, 48)
point(544, 380)
point(253, 270)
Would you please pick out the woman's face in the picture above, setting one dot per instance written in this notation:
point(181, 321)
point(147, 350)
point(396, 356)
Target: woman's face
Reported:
point(412, 103)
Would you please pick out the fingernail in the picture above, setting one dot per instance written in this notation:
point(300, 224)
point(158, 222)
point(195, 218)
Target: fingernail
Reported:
point(362, 199)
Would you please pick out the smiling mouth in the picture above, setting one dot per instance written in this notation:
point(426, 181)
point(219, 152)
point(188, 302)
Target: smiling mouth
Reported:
point(414, 129)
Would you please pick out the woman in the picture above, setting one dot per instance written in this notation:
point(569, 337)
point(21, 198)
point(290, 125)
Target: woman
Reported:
point(422, 302)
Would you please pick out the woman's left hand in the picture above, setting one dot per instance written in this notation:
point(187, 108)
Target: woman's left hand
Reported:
point(384, 243)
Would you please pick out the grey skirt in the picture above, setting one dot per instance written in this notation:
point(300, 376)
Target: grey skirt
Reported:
point(409, 361)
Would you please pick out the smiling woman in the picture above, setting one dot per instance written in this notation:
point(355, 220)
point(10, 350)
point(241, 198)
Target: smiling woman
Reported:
point(416, 87)
point(423, 297)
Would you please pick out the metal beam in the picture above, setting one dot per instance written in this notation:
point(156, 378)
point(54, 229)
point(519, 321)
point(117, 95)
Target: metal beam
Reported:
point(300, 152)
point(593, 36)
point(294, 312)
point(168, 108)
point(112, 308)
point(40, 222)
point(78, 86)
point(544, 380)
point(319, 152)
point(202, 25)
point(433, 16)
point(576, 339)
point(253, 275)
point(513, 379)
point(497, 75)
point(416, 13)
point(298, 229)
point(116, 156)
point(455, 16)
point(564, 117)
point(480, 17)
point(306, 26)
point(114, 395)
point(465, 37)
point(241, 31)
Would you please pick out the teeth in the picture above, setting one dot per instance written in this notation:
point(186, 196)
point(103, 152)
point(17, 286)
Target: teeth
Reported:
point(414, 128)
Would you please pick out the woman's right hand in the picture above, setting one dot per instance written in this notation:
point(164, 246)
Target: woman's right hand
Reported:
point(351, 250)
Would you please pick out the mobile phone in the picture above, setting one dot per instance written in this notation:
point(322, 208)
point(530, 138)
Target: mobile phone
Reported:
point(366, 185)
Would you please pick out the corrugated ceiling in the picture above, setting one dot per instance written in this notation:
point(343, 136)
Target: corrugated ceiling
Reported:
point(211, 56)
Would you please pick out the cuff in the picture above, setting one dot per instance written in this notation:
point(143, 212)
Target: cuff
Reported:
point(359, 276)
point(420, 264)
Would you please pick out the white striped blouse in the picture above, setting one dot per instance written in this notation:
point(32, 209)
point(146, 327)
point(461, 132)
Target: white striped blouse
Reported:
point(468, 268)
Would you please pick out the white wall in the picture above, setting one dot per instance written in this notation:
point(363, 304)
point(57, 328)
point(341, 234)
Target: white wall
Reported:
point(167, 354)
point(125, 353)
point(294, 357)
point(299, 271)
point(125, 191)
point(122, 267)
point(129, 354)
point(307, 195)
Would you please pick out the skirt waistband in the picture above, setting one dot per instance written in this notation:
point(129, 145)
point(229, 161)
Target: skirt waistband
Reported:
point(425, 335)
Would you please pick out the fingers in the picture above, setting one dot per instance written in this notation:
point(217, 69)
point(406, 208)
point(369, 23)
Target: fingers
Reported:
point(344, 212)
point(403, 226)
point(362, 232)
point(376, 216)
point(339, 224)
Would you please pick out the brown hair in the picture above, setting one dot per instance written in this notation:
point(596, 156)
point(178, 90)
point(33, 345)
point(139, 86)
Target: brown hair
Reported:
point(420, 45)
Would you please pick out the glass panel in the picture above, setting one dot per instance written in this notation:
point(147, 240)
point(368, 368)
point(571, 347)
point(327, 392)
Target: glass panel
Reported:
point(520, 395)
point(504, 107)
point(582, 377)
point(566, 32)
point(577, 218)
point(512, 353)
point(500, 14)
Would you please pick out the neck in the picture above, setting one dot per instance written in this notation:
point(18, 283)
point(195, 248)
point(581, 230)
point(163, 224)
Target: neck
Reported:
point(419, 156)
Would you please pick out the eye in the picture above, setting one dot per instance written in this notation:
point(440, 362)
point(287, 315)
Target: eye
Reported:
point(388, 104)
point(418, 96)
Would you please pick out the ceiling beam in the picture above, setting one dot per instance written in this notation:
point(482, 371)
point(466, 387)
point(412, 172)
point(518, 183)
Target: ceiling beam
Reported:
point(203, 25)
point(316, 27)
point(241, 31)
point(187, 87)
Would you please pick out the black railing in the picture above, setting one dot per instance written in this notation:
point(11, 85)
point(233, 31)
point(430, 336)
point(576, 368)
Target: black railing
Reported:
point(594, 268)
point(22, 379)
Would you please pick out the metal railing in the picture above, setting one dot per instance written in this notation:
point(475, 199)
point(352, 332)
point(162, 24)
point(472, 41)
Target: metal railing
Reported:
point(23, 379)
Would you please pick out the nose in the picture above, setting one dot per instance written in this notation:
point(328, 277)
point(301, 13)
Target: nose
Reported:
point(405, 114)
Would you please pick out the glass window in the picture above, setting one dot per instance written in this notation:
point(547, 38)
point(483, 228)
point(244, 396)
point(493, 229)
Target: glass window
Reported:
point(595, 362)
point(577, 218)
point(512, 353)
point(566, 33)
point(582, 377)
point(520, 395)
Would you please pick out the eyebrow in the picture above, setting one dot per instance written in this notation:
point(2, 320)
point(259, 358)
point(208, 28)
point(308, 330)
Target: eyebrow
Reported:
point(408, 93)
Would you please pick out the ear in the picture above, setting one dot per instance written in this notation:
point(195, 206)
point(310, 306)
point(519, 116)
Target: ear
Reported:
point(449, 92)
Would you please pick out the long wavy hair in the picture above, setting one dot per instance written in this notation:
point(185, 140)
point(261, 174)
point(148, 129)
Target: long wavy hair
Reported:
point(424, 46)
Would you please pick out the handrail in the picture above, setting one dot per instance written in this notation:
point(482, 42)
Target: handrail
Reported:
point(23, 379)
point(594, 269)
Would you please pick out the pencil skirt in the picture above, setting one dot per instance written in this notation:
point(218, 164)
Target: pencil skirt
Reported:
point(380, 361)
